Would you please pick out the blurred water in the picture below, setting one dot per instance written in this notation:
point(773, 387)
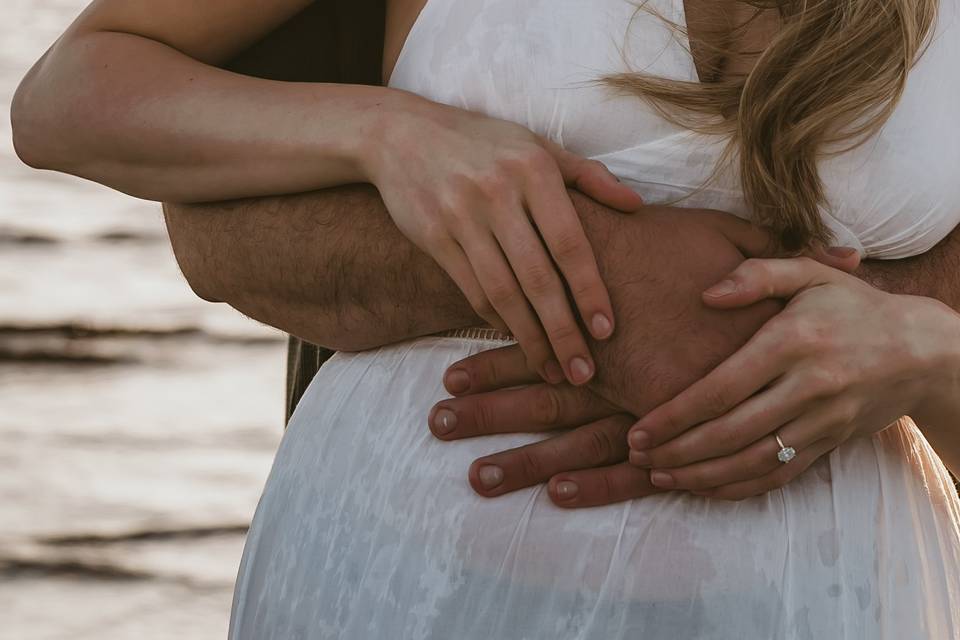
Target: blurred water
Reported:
point(137, 423)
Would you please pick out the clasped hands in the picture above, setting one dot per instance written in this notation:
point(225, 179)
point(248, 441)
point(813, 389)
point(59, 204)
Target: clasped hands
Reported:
point(716, 351)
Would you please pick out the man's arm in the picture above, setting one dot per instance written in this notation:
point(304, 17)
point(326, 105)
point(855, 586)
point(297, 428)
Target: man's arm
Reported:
point(932, 274)
point(329, 267)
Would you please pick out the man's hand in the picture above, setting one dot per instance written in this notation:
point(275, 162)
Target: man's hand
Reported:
point(583, 467)
point(656, 264)
point(668, 339)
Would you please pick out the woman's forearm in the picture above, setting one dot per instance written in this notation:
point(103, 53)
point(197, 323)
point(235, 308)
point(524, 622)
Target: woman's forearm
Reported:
point(938, 412)
point(187, 131)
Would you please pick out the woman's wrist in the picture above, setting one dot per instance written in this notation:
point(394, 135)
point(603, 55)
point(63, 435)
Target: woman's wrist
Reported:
point(938, 406)
point(378, 142)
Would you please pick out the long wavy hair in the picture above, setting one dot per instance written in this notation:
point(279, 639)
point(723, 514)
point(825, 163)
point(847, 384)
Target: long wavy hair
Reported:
point(829, 79)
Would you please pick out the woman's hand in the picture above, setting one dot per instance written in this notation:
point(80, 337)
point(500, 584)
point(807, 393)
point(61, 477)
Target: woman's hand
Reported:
point(488, 200)
point(843, 359)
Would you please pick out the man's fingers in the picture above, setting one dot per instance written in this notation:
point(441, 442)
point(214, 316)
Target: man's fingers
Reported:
point(756, 280)
point(600, 443)
point(494, 369)
point(529, 409)
point(596, 487)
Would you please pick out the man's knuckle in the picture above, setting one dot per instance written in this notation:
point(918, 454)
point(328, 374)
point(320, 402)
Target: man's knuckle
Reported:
point(546, 407)
point(531, 467)
point(598, 446)
point(483, 417)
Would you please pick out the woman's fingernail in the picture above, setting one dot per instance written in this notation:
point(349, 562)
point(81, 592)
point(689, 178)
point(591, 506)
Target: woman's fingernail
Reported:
point(724, 288)
point(639, 459)
point(580, 370)
point(567, 490)
point(662, 480)
point(553, 372)
point(457, 381)
point(444, 421)
point(841, 252)
point(490, 476)
point(601, 326)
point(639, 440)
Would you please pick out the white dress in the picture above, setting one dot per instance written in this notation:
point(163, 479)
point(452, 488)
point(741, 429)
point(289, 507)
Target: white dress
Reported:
point(367, 528)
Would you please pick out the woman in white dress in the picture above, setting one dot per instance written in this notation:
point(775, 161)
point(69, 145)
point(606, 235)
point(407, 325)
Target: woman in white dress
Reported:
point(366, 528)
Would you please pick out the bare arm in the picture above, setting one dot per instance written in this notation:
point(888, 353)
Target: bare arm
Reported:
point(130, 97)
point(932, 274)
point(329, 267)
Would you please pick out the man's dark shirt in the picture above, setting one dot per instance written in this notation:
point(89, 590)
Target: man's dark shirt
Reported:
point(330, 41)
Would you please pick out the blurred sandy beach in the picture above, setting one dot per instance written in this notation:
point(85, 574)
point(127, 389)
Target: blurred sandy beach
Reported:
point(137, 423)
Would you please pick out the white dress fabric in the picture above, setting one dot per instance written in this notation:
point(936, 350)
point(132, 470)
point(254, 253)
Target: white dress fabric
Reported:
point(368, 529)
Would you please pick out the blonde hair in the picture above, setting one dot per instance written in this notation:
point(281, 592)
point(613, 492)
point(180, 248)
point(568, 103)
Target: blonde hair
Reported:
point(829, 79)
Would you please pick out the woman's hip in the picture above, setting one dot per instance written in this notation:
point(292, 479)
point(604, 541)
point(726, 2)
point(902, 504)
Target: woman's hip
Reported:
point(365, 511)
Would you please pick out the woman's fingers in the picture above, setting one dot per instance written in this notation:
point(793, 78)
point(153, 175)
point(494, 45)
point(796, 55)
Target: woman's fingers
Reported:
point(601, 443)
point(735, 430)
point(546, 293)
point(507, 298)
point(493, 369)
point(533, 408)
point(592, 178)
point(600, 486)
point(756, 280)
point(733, 381)
point(557, 221)
point(453, 260)
point(843, 258)
point(828, 423)
point(779, 477)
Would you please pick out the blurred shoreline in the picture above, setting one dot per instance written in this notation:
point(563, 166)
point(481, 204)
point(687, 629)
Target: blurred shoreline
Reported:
point(137, 422)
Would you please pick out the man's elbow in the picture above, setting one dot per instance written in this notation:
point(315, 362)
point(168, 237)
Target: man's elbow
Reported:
point(26, 124)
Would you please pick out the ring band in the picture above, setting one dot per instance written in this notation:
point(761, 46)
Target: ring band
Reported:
point(786, 454)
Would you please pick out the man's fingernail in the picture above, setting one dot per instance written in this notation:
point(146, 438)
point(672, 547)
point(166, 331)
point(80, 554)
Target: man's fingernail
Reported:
point(456, 381)
point(601, 326)
point(567, 490)
point(490, 476)
point(444, 421)
point(841, 252)
point(724, 288)
point(639, 440)
point(580, 370)
point(662, 480)
point(553, 372)
point(639, 459)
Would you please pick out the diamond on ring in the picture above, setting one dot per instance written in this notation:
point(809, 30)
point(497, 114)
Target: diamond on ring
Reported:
point(786, 454)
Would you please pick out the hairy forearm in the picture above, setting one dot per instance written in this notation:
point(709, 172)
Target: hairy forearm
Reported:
point(933, 274)
point(329, 267)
